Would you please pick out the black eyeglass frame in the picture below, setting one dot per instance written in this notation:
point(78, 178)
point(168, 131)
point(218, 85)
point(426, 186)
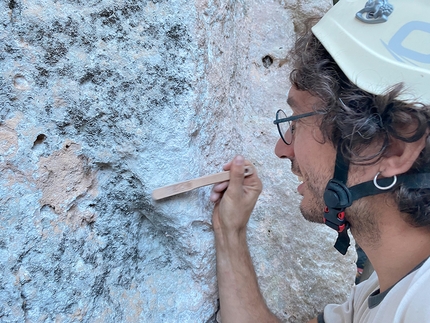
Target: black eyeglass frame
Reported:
point(289, 119)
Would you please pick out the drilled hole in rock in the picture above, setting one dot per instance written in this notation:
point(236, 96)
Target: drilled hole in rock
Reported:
point(40, 138)
point(267, 61)
point(20, 82)
point(12, 4)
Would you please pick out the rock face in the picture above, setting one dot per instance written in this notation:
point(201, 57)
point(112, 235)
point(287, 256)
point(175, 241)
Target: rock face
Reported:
point(103, 101)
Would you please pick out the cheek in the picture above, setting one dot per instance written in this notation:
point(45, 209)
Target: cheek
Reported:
point(305, 151)
point(316, 165)
point(313, 155)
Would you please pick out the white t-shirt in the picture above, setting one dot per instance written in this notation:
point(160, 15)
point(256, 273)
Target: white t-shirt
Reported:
point(408, 301)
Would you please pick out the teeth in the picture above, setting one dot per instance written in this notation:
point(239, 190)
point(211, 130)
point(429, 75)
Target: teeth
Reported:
point(300, 178)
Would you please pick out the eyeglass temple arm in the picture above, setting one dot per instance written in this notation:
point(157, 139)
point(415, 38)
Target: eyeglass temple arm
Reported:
point(292, 118)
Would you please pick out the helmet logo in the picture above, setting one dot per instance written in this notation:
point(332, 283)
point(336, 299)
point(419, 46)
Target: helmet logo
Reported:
point(375, 12)
point(403, 53)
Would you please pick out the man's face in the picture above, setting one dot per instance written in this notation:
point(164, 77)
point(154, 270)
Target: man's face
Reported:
point(312, 159)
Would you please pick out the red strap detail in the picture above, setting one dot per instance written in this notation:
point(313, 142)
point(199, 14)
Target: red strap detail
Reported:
point(341, 228)
point(341, 216)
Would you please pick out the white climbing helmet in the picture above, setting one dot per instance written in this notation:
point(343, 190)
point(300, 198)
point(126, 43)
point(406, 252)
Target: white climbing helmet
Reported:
point(380, 43)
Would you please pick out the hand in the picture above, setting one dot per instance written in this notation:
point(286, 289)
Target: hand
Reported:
point(235, 199)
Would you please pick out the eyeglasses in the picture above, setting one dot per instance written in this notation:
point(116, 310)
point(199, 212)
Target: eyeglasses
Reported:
point(285, 125)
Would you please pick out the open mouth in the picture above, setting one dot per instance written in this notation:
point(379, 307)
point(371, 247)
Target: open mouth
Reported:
point(300, 178)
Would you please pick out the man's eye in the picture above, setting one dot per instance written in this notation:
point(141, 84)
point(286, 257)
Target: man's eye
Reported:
point(293, 127)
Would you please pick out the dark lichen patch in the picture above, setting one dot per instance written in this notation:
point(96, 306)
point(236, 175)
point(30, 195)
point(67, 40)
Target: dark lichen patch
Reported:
point(98, 76)
point(108, 17)
point(66, 70)
point(87, 41)
point(42, 76)
point(67, 27)
point(54, 52)
point(8, 49)
point(117, 16)
point(178, 33)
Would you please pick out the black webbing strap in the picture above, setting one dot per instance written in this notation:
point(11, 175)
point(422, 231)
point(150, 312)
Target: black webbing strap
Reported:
point(341, 166)
point(411, 181)
point(341, 175)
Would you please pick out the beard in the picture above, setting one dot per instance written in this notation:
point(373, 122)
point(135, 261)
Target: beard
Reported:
point(360, 215)
point(312, 205)
point(363, 220)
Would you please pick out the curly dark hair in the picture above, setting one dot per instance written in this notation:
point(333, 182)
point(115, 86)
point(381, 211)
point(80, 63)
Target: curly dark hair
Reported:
point(357, 119)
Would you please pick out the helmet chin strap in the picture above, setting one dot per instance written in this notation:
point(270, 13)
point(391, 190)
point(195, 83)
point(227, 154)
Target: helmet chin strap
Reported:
point(337, 196)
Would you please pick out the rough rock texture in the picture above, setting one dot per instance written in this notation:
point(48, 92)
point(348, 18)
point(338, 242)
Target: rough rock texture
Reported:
point(103, 101)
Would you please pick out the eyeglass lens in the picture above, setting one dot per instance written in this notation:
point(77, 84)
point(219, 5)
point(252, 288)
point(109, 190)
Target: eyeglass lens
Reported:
point(284, 128)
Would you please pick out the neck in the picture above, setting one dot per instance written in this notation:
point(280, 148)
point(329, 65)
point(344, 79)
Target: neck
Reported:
point(398, 247)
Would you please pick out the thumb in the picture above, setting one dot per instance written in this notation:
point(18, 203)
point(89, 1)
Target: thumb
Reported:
point(237, 171)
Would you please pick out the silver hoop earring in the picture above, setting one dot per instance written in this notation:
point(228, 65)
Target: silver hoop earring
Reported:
point(386, 187)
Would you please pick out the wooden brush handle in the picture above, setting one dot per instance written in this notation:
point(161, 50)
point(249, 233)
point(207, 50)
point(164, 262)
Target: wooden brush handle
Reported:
point(181, 187)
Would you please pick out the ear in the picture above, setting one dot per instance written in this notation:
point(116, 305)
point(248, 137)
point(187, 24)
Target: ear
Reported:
point(401, 156)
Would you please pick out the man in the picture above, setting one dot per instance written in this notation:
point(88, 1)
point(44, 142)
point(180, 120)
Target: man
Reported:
point(359, 139)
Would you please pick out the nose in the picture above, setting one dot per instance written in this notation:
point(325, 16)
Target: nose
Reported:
point(282, 150)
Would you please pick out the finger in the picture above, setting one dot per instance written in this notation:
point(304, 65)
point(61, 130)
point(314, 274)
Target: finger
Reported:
point(215, 196)
point(237, 172)
point(218, 190)
point(220, 187)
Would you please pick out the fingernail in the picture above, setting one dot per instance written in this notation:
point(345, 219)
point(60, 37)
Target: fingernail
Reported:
point(239, 160)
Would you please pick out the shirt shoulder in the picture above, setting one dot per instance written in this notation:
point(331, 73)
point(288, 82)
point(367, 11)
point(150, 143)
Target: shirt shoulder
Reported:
point(405, 302)
point(414, 305)
point(357, 302)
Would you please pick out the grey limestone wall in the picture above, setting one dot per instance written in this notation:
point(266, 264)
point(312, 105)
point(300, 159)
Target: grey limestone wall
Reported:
point(103, 101)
